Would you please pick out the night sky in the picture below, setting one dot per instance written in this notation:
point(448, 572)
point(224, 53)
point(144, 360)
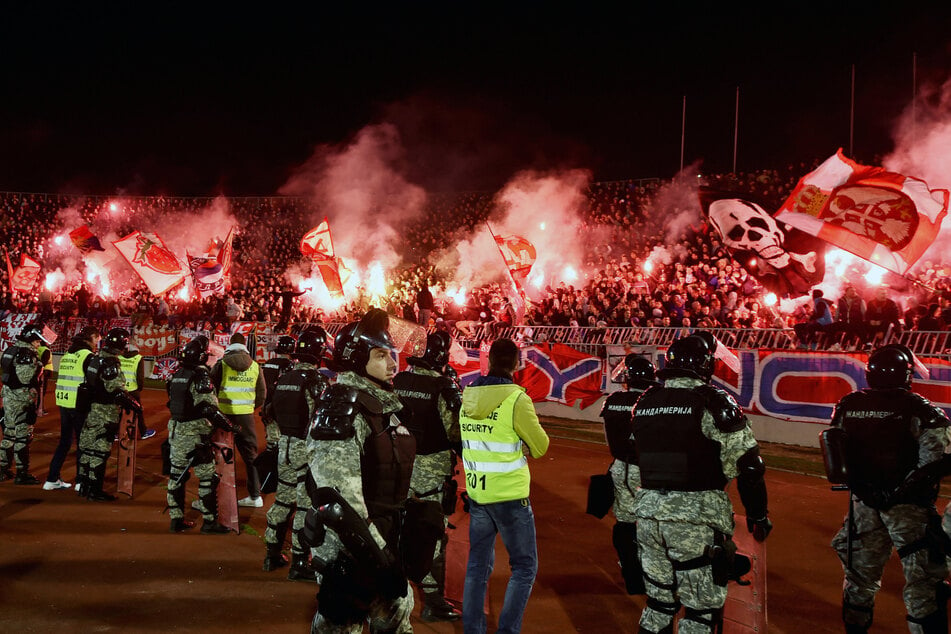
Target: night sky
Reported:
point(170, 99)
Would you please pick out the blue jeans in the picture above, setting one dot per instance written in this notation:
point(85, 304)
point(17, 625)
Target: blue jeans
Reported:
point(70, 424)
point(516, 523)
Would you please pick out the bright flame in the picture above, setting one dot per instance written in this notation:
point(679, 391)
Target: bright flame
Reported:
point(569, 274)
point(376, 280)
point(183, 293)
point(770, 299)
point(542, 226)
point(113, 207)
point(537, 279)
point(874, 275)
point(458, 296)
point(54, 280)
point(58, 240)
point(648, 266)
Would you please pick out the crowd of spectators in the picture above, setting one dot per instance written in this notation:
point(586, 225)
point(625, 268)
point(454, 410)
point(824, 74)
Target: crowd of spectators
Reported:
point(642, 271)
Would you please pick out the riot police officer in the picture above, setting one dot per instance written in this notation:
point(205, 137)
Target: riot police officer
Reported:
point(618, 415)
point(294, 403)
point(691, 440)
point(879, 437)
point(359, 446)
point(272, 370)
point(194, 413)
point(21, 370)
point(431, 401)
point(105, 385)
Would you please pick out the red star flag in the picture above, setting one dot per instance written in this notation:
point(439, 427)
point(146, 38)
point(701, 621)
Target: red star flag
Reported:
point(147, 254)
point(318, 245)
point(23, 279)
point(886, 218)
point(519, 255)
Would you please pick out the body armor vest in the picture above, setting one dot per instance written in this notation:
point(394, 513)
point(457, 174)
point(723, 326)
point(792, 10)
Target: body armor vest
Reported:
point(8, 363)
point(880, 447)
point(618, 418)
point(420, 397)
point(386, 465)
point(181, 403)
point(672, 451)
point(290, 402)
point(94, 382)
point(272, 371)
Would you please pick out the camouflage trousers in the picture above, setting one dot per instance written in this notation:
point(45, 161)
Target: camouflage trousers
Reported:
point(876, 532)
point(95, 443)
point(660, 545)
point(430, 474)
point(627, 479)
point(19, 406)
point(190, 444)
point(291, 496)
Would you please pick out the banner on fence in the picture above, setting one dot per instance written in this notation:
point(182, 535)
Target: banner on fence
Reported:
point(155, 341)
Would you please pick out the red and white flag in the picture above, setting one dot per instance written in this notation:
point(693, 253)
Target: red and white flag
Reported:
point(226, 255)
point(519, 255)
point(886, 218)
point(318, 245)
point(24, 278)
point(147, 254)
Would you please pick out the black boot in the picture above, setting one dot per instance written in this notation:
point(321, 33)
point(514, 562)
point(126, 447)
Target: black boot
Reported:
point(301, 570)
point(436, 608)
point(96, 494)
point(180, 525)
point(6, 474)
point(274, 558)
point(25, 477)
point(214, 528)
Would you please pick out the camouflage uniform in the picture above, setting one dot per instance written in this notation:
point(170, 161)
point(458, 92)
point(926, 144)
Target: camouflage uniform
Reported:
point(431, 474)
point(190, 443)
point(19, 412)
point(337, 463)
point(675, 526)
point(95, 441)
point(901, 523)
point(292, 461)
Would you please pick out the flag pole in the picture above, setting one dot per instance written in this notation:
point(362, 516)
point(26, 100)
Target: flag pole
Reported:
point(852, 114)
point(683, 132)
point(736, 127)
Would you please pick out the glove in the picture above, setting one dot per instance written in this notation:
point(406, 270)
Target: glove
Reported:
point(759, 528)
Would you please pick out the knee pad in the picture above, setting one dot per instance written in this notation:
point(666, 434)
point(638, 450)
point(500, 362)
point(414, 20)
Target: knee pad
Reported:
point(710, 618)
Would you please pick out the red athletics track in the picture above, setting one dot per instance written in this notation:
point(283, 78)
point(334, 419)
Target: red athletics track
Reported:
point(67, 565)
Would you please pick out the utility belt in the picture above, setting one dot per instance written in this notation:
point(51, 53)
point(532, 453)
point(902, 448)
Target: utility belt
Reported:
point(722, 558)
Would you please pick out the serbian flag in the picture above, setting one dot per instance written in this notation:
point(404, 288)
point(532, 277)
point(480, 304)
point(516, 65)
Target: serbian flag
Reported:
point(90, 246)
point(23, 279)
point(881, 216)
point(318, 245)
point(519, 255)
point(147, 254)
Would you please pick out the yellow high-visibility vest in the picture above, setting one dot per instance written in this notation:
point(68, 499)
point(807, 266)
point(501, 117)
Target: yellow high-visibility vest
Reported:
point(236, 395)
point(70, 377)
point(48, 366)
point(129, 367)
point(496, 468)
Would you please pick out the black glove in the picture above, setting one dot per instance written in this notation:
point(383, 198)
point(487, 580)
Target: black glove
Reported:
point(760, 528)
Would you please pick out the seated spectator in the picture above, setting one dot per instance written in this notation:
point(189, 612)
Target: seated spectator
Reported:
point(819, 320)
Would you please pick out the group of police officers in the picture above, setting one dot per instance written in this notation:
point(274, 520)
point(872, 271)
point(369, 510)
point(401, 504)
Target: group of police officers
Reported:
point(365, 470)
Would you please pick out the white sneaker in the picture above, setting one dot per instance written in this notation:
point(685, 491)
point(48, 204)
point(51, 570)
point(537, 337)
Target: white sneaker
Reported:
point(257, 502)
point(59, 484)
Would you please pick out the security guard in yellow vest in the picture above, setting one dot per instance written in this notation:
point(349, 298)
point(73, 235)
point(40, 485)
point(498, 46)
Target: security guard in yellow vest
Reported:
point(134, 371)
point(72, 409)
point(46, 358)
point(496, 421)
point(241, 389)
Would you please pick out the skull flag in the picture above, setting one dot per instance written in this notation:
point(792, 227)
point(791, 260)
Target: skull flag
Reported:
point(783, 259)
point(886, 218)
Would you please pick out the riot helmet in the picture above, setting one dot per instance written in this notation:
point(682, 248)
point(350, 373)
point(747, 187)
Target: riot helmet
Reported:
point(310, 345)
point(116, 340)
point(32, 332)
point(285, 345)
point(689, 357)
point(195, 352)
point(639, 371)
point(890, 367)
point(354, 342)
point(437, 351)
